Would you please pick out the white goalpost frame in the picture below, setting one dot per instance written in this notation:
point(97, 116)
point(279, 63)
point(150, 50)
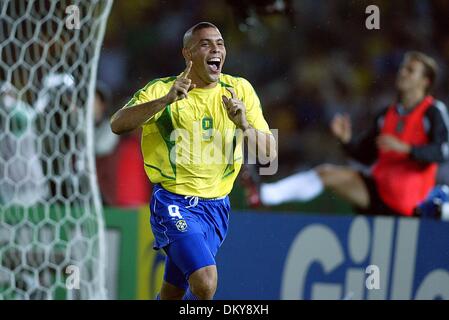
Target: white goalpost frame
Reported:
point(91, 150)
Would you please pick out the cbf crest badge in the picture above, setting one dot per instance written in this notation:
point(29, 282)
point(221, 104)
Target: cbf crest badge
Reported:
point(181, 225)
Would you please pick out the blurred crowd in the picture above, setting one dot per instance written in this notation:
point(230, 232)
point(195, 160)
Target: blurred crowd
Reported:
point(307, 59)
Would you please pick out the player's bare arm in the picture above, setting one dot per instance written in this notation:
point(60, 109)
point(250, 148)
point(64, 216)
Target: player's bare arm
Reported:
point(236, 111)
point(388, 142)
point(130, 118)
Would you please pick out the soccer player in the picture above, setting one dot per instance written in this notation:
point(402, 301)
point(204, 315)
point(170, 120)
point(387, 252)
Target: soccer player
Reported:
point(403, 147)
point(189, 123)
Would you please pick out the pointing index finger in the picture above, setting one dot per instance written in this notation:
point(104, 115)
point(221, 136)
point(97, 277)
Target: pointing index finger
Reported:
point(225, 101)
point(186, 72)
point(231, 90)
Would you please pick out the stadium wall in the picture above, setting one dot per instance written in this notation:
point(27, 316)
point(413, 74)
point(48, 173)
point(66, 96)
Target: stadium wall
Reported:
point(294, 256)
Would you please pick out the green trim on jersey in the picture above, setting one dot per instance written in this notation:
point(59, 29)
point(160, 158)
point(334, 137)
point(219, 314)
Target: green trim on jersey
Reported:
point(168, 79)
point(231, 162)
point(225, 84)
point(165, 127)
point(229, 173)
point(136, 95)
point(160, 171)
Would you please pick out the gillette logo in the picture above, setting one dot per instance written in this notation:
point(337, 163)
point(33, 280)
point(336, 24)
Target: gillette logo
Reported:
point(378, 262)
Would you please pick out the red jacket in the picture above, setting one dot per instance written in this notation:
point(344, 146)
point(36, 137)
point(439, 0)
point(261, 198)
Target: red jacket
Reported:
point(403, 182)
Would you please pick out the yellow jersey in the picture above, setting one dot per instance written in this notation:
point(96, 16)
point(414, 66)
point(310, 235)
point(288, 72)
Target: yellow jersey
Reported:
point(191, 147)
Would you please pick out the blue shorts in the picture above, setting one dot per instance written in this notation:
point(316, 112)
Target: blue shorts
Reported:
point(189, 229)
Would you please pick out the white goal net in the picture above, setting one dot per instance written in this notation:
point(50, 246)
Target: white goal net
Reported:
point(51, 224)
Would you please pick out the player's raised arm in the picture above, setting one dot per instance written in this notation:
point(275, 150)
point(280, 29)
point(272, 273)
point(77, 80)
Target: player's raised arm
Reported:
point(236, 111)
point(130, 118)
point(182, 85)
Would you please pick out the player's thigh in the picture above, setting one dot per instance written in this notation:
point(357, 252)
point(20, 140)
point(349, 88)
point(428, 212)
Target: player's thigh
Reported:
point(170, 219)
point(175, 277)
point(346, 182)
point(190, 254)
point(217, 223)
point(332, 175)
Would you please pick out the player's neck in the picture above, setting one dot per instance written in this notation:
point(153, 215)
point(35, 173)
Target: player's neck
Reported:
point(199, 83)
point(411, 99)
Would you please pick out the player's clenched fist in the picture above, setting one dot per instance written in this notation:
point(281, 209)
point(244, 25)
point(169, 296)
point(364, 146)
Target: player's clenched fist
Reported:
point(236, 109)
point(181, 86)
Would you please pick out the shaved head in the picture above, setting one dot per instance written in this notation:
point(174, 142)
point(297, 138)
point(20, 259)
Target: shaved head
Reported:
point(189, 33)
point(204, 47)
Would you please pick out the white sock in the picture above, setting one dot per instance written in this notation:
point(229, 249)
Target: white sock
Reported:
point(445, 212)
point(303, 186)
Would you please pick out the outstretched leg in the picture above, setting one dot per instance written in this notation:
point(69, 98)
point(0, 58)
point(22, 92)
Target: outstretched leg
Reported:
point(302, 186)
point(345, 182)
point(305, 186)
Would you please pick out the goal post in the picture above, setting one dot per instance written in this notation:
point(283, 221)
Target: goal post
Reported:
point(52, 236)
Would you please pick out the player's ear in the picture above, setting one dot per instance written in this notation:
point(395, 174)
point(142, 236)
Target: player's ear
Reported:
point(186, 54)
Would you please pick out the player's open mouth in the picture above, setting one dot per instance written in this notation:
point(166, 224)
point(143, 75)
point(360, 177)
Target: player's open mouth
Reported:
point(214, 64)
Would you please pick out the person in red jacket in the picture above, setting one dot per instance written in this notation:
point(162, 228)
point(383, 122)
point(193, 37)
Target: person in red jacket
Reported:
point(403, 148)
